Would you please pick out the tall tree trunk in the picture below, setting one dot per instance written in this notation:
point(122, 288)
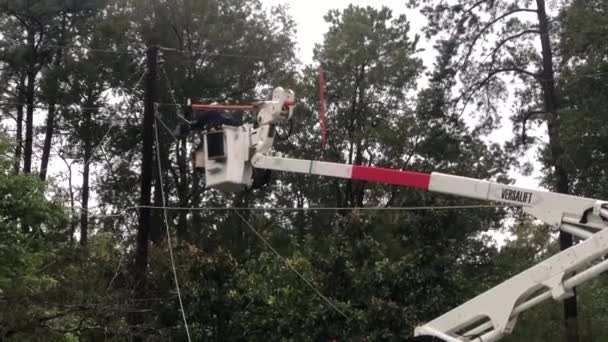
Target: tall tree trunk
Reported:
point(48, 139)
point(84, 214)
point(50, 126)
point(72, 204)
point(19, 135)
point(350, 197)
point(29, 98)
point(359, 190)
point(50, 119)
point(29, 122)
point(551, 102)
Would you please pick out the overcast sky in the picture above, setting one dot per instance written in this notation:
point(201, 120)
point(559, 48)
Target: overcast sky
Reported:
point(308, 14)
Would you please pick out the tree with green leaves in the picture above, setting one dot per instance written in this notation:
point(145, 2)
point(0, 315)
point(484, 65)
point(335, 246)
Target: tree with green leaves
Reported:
point(584, 73)
point(39, 294)
point(380, 267)
point(346, 274)
point(371, 69)
point(490, 40)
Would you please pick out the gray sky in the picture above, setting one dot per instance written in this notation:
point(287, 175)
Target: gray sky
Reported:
point(308, 14)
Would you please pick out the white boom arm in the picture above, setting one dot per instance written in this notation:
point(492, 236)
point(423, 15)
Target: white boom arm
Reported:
point(236, 151)
point(491, 315)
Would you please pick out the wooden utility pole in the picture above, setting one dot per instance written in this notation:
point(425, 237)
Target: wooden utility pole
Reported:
point(143, 229)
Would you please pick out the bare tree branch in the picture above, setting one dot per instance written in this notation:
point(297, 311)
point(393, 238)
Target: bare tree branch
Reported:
point(473, 89)
point(465, 60)
point(475, 5)
point(507, 39)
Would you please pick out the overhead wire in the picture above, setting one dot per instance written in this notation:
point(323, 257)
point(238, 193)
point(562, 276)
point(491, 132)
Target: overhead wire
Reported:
point(232, 55)
point(165, 126)
point(138, 53)
point(108, 51)
point(218, 54)
point(181, 117)
point(79, 47)
point(101, 142)
point(291, 267)
point(166, 221)
point(414, 208)
point(143, 74)
point(39, 106)
point(172, 93)
point(291, 209)
point(76, 106)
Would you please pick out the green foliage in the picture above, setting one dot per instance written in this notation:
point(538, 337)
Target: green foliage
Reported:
point(387, 271)
point(584, 90)
point(26, 216)
point(47, 287)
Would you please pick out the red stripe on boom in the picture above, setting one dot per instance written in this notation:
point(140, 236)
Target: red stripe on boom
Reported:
point(390, 176)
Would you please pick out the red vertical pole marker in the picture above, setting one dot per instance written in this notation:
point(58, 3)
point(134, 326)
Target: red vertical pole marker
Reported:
point(322, 102)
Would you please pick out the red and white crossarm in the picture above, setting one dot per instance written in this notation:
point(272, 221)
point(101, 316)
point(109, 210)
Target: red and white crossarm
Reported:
point(492, 314)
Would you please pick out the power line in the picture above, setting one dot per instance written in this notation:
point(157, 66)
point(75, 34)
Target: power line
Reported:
point(87, 49)
point(172, 93)
point(67, 106)
point(317, 209)
point(101, 142)
point(139, 53)
point(288, 264)
point(39, 106)
point(76, 106)
point(162, 192)
point(419, 208)
point(217, 54)
point(143, 74)
point(158, 119)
